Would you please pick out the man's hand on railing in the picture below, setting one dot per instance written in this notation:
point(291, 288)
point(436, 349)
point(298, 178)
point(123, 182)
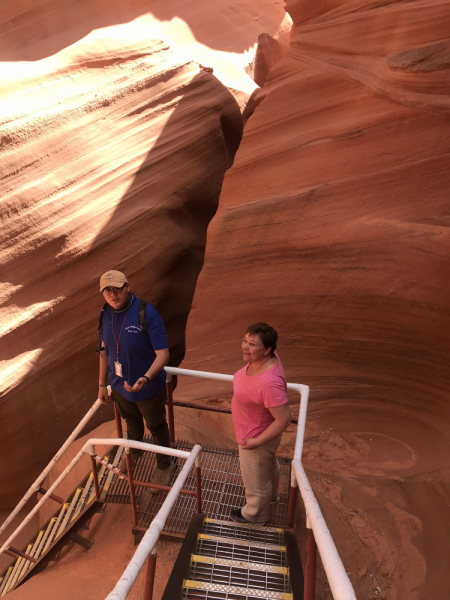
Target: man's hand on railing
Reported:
point(103, 394)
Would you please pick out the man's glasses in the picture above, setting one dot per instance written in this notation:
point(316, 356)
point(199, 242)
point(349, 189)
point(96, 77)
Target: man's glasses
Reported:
point(113, 290)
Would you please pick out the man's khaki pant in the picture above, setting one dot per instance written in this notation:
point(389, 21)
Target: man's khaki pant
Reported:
point(260, 471)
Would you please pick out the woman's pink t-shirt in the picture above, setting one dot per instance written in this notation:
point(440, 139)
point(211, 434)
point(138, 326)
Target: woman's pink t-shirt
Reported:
point(252, 398)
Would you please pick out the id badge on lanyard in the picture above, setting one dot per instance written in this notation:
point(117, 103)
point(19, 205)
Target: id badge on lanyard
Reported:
point(117, 365)
point(118, 369)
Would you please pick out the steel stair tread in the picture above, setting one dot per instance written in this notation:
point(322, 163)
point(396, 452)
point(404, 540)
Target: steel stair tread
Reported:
point(69, 513)
point(240, 564)
point(242, 531)
point(239, 574)
point(5, 581)
point(239, 542)
point(40, 548)
point(241, 552)
point(254, 526)
point(236, 590)
point(17, 569)
point(27, 564)
point(13, 575)
point(61, 516)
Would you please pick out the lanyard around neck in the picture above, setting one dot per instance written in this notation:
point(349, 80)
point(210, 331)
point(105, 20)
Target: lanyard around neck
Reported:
point(118, 340)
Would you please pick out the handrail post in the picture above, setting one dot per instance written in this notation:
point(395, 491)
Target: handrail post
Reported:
point(198, 485)
point(310, 566)
point(150, 575)
point(303, 390)
point(171, 423)
point(118, 421)
point(198, 481)
point(131, 485)
point(95, 479)
point(292, 506)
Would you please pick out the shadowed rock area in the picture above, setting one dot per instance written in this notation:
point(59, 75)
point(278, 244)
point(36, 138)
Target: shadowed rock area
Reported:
point(333, 226)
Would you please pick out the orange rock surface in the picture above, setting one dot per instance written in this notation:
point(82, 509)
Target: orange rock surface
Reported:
point(116, 133)
point(333, 226)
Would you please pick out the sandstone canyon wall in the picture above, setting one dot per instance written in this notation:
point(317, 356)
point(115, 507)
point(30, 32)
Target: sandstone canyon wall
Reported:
point(333, 226)
point(114, 142)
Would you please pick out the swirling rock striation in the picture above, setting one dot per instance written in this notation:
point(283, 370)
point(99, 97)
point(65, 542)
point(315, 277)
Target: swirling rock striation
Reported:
point(117, 125)
point(333, 226)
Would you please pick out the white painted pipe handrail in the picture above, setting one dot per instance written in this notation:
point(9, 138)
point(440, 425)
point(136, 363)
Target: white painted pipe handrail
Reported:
point(303, 390)
point(125, 583)
point(217, 376)
point(36, 485)
point(340, 584)
point(202, 374)
point(89, 448)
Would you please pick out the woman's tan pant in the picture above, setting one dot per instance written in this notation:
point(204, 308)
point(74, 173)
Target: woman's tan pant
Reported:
point(260, 471)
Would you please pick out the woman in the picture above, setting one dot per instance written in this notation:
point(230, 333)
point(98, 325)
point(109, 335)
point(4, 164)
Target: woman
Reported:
point(261, 413)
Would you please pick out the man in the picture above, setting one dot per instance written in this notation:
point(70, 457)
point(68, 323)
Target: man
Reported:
point(134, 363)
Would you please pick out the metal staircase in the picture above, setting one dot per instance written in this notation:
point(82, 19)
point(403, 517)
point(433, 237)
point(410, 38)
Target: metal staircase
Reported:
point(219, 559)
point(223, 560)
point(223, 489)
point(63, 527)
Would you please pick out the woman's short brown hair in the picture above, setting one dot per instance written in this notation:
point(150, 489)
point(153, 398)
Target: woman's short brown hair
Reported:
point(267, 335)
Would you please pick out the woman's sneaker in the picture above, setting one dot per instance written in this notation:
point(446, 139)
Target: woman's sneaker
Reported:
point(237, 517)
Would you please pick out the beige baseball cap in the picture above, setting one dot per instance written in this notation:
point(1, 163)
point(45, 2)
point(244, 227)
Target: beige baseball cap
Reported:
point(112, 279)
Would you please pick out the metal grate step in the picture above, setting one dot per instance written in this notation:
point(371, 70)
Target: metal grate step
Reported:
point(191, 590)
point(33, 553)
point(239, 573)
point(266, 554)
point(45, 537)
point(5, 581)
point(239, 563)
point(17, 569)
point(259, 562)
point(235, 541)
point(243, 531)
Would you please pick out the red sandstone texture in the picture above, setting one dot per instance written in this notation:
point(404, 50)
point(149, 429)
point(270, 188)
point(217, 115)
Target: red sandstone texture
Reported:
point(333, 226)
point(115, 136)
